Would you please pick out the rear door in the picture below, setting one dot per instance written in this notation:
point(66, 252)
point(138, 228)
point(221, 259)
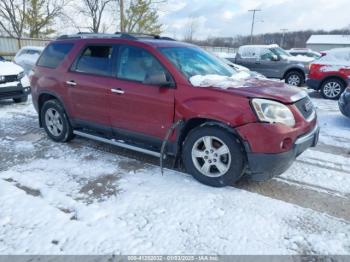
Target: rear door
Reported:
point(137, 108)
point(88, 84)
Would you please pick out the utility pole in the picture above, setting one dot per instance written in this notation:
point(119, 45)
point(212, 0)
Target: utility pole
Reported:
point(121, 10)
point(284, 30)
point(253, 21)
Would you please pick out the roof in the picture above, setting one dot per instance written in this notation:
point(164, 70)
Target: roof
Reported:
point(329, 39)
point(152, 40)
point(262, 46)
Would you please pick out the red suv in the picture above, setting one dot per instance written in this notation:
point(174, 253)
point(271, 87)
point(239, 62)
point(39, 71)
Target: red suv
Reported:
point(331, 73)
point(134, 92)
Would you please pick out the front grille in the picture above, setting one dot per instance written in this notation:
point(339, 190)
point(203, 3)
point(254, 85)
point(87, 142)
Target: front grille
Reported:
point(11, 78)
point(10, 94)
point(305, 107)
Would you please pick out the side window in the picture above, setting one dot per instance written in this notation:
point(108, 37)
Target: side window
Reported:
point(248, 52)
point(95, 60)
point(136, 64)
point(54, 54)
point(266, 55)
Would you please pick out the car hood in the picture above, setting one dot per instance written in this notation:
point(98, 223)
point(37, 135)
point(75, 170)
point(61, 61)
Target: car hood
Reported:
point(268, 89)
point(243, 84)
point(9, 68)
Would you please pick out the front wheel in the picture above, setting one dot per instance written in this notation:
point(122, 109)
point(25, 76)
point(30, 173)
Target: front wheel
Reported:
point(213, 156)
point(55, 121)
point(332, 89)
point(295, 78)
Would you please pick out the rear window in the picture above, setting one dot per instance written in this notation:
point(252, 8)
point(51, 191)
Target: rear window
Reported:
point(54, 54)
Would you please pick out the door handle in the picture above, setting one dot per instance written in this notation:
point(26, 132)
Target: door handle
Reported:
point(71, 83)
point(117, 91)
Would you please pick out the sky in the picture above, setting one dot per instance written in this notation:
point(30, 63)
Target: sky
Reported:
point(231, 17)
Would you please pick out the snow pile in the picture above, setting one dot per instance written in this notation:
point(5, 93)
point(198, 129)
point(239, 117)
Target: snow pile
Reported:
point(220, 81)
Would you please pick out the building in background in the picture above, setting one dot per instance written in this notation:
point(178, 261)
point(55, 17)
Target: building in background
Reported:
point(326, 42)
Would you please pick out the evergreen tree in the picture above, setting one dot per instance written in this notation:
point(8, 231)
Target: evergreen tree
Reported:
point(141, 17)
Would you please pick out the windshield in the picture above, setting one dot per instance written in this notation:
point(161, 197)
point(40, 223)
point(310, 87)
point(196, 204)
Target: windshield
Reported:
point(279, 51)
point(193, 61)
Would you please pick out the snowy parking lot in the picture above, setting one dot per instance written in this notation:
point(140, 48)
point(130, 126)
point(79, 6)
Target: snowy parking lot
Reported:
point(85, 197)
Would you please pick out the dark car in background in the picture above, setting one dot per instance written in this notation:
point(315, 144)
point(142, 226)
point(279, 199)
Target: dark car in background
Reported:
point(344, 103)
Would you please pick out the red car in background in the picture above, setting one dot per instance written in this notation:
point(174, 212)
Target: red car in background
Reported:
point(331, 73)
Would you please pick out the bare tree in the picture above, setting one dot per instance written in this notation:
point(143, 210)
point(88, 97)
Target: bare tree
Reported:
point(121, 12)
point(94, 10)
point(12, 17)
point(191, 28)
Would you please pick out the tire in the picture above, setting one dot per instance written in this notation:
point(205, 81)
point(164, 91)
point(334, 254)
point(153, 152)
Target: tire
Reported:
point(231, 163)
point(332, 88)
point(55, 121)
point(21, 99)
point(295, 78)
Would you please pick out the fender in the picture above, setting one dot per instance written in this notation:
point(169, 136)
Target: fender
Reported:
point(295, 67)
point(232, 112)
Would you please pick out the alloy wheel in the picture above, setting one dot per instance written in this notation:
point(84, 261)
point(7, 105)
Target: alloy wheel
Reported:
point(332, 89)
point(54, 122)
point(294, 80)
point(211, 156)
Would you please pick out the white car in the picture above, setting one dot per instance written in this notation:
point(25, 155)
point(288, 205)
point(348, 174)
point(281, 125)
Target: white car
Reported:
point(27, 56)
point(14, 84)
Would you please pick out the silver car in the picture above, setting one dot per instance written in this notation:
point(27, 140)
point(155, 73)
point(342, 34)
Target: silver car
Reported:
point(274, 62)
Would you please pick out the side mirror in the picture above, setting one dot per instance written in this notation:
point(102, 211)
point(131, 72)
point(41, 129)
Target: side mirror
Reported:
point(157, 79)
point(275, 58)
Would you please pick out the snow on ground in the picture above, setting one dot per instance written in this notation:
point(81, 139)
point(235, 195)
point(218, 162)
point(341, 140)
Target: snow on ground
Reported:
point(335, 127)
point(76, 199)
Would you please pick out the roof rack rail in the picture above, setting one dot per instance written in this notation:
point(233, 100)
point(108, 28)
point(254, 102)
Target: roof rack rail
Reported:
point(144, 35)
point(130, 36)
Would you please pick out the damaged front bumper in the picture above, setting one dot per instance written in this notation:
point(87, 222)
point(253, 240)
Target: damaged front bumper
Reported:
point(265, 166)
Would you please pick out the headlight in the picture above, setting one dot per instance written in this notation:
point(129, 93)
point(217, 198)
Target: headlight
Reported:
point(20, 76)
point(273, 112)
point(2, 79)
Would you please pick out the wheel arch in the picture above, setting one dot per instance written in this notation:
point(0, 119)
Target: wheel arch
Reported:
point(333, 77)
point(294, 69)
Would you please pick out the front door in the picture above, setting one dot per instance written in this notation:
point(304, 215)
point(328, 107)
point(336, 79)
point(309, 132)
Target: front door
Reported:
point(135, 107)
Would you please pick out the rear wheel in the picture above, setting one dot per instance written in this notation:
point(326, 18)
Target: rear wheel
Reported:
point(55, 121)
point(332, 89)
point(21, 99)
point(213, 156)
point(295, 78)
